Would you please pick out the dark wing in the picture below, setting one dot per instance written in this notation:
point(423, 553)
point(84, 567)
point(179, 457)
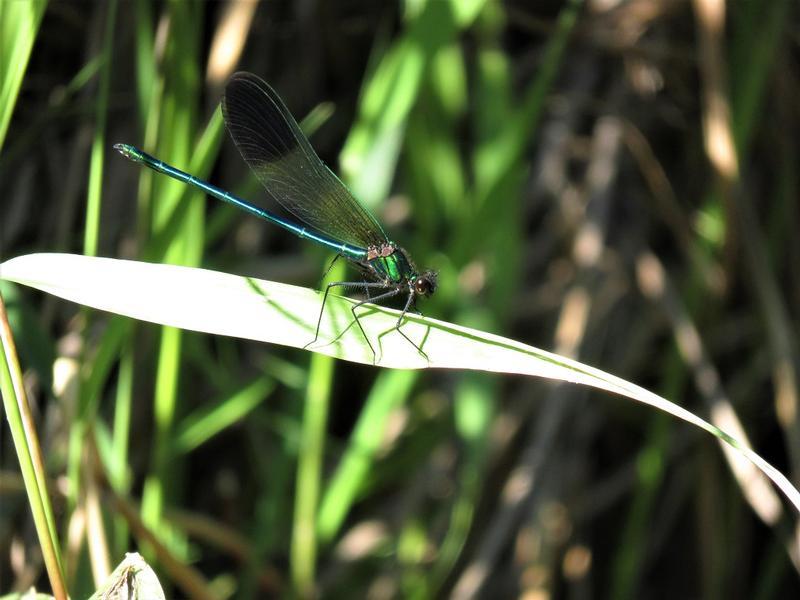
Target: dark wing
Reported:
point(272, 144)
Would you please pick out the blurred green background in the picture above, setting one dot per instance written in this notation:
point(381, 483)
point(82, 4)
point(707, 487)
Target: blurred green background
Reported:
point(612, 180)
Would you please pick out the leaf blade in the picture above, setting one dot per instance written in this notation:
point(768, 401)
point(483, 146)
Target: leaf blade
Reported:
point(192, 298)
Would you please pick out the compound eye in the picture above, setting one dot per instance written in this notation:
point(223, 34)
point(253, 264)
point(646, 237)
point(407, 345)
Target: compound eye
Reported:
point(423, 287)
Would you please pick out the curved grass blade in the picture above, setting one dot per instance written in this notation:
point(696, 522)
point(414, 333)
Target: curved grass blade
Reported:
point(283, 314)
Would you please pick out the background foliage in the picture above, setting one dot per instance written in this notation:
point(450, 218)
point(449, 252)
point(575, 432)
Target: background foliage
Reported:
point(613, 180)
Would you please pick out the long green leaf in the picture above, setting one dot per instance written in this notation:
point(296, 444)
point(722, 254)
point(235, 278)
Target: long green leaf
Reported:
point(225, 304)
point(19, 23)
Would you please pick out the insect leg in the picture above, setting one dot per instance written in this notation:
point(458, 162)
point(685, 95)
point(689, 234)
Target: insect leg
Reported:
point(352, 285)
point(411, 301)
point(391, 293)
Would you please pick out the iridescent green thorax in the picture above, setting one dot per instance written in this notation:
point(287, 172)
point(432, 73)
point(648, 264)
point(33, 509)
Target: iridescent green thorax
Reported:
point(390, 263)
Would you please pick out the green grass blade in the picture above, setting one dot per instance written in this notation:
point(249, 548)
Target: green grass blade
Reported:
point(370, 154)
point(146, 74)
point(178, 108)
point(199, 427)
point(203, 157)
point(28, 450)
point(123, 409)
point(496, 158)
point(19, 23)
point(99, 147)
point(389, 391)
point(309, 475)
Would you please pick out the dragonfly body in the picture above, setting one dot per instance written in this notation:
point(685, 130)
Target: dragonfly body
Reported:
point(133, 153)
point(273, 146)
